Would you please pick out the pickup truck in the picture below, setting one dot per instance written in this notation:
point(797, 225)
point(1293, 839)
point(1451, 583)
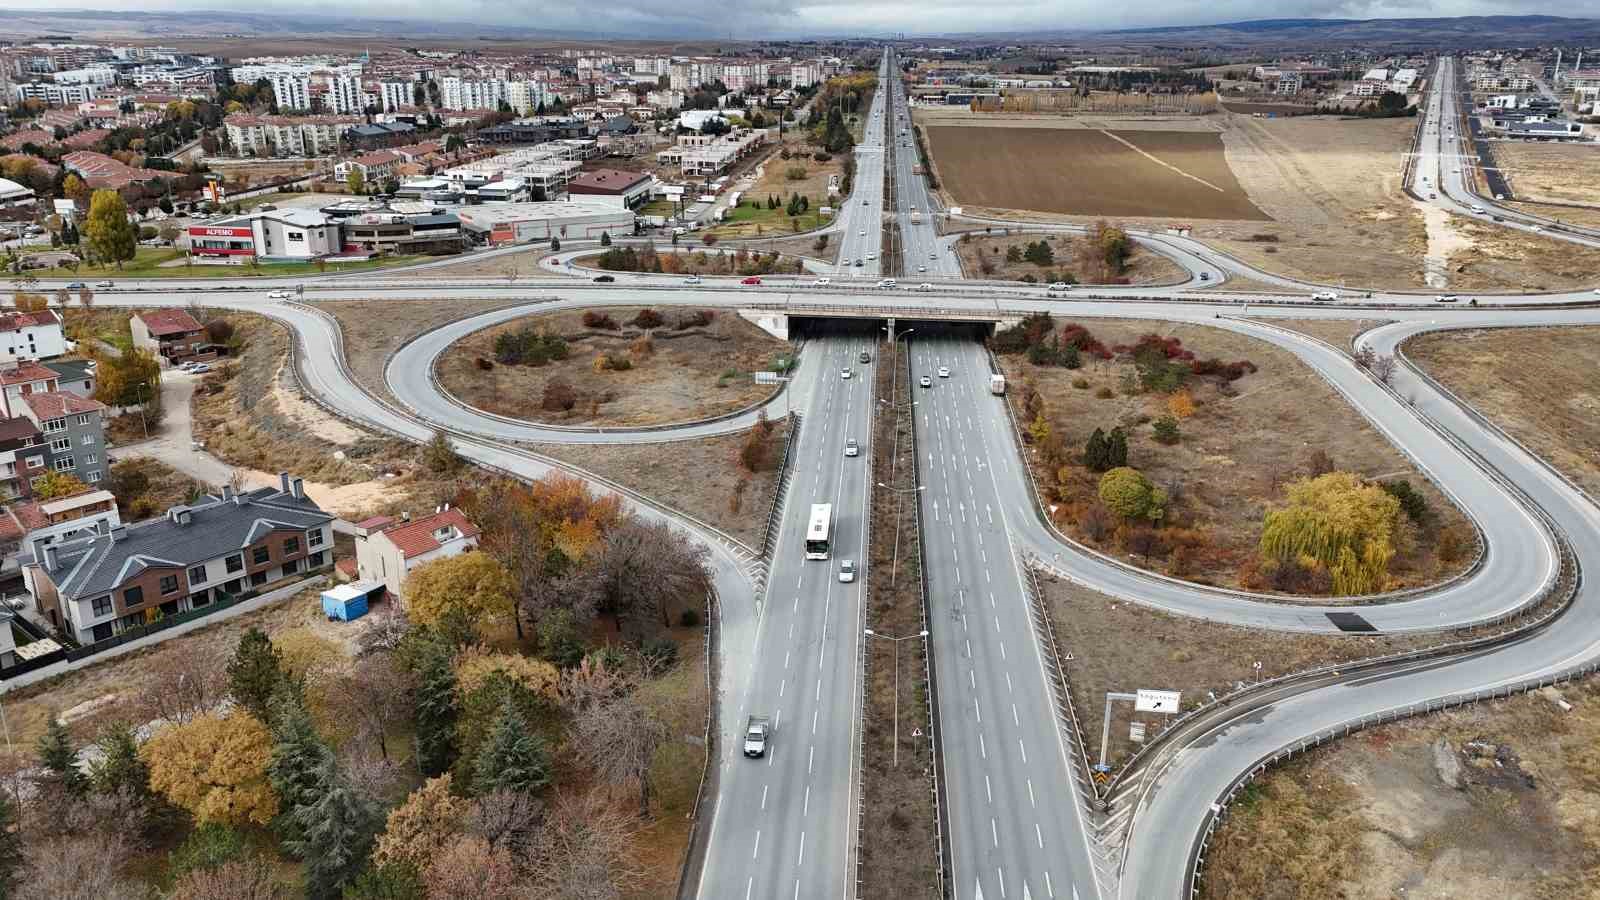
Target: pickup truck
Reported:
point(756, 733)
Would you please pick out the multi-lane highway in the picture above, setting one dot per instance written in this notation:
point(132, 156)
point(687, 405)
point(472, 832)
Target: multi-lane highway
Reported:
point(924, 257)
point(861, 219)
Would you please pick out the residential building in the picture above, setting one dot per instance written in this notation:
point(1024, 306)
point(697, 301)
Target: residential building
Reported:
point(23, 454)
point(292, 91)
point(74, 430)
point(30, 335)
point(460, 93)
point(22, 378)
point(93, 587)
point(1288, 83)
point(287, 135)
point(345, 95)
point(101, 171)
point(396, 94)
point(55, 94)
point(45, 522)
point(374, 166)
point(388, 549)
point(170, 335)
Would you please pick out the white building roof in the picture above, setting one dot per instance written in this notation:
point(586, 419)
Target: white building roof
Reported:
point(488, 217)
point(10, 190)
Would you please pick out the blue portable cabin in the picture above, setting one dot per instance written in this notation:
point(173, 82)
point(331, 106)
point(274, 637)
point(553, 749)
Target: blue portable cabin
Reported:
point(349, 601)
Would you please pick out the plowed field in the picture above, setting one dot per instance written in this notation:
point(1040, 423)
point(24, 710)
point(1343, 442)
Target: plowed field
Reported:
point(1091, 172)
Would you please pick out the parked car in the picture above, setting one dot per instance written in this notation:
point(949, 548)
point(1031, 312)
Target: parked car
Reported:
point(753, 279)
point(199, 369)
point(851, 448)
point(605, 279)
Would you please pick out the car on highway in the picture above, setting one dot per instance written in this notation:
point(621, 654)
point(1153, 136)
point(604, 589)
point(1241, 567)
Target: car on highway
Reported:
point(822, 282)
point(924, 286)
point(888, 283)
point(757, 730)
point(692, 279)
point(926, 382)
point(863, 234)
point(845, 373)
point(1205, 276)
point(847, 570)
point(605, 279)
point(75, 285)
point(851, 448)
point(753, 279)
point(944, 371)
point(933, 255)
point(858, 262)
point(1538, 228)
point(1432, 196)
point(280, 295)
point(104, 284)
point(1447, 298)
point(1325, 295)
point(922, 268)
point(1060, 286)
point(864, 358)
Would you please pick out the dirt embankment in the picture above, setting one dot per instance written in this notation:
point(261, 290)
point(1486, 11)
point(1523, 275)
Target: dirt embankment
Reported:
point(1493, 800)
point(675, 372)
point(1243, 442)
point(1144, 266)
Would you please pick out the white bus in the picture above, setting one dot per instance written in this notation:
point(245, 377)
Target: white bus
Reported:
point(817, 531)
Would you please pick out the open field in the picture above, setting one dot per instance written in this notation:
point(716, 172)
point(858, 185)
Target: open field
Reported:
point(1121, 646)
point(1530, 381)
point(1338, 332)
point(1244, 441)
point(1492, 800)
point(1540, 171)
point(1144, 266)
point(1090, 172)
point(1496, 258)
point(676, 375)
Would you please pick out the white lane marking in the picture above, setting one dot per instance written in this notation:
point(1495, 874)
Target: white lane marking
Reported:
point(1002, 875)
point(757, 851)
point(814, 720)
point(764, 796)
point(1008, 682)
point(802, 860)
point(781, 684)
point(983, 749)
point(1014, 720)
point(811, 757)
point(1002, 650)
point(749, 886)
point(819, 690)
point(786, 659)
point(1038, 835)
point(994, 831)
point(986, 789)
point(1030, 794)
point(976, 711)
point(807, 810)
point(1024, 751)
point(969, 652)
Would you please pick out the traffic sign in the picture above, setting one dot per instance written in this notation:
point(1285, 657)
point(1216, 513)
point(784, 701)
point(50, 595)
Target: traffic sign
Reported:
point(769, 378)
point(1157, 701)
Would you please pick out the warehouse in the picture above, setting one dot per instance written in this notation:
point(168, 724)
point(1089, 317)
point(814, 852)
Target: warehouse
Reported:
point(520, 223)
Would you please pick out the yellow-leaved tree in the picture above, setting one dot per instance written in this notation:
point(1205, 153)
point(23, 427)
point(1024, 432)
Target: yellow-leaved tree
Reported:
point(1345, 524)
point(474, 583)
point(428, 820)
point(215, 767)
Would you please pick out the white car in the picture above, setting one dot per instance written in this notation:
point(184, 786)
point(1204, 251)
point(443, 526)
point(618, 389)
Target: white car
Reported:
point(934, 255)
point(863, 234)
point(887, 283)
point(1325, 295)
point(107, 283)
point(1059, 286)
point(822, 282)
point(851, 448)
point(1538, 228)
point(280, 295)
point(692, 279)
point(926, 382)
point(199, 369)
point(847, 570)
point(924, 286)
point(845, 374)
point(1447, 298)
point(944, 371)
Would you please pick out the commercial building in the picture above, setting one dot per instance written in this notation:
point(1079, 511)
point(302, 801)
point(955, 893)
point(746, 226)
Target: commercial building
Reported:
point(93, 587)
point(707, 155)
point(629, 190)
point(387, 231)
point(13, 194)
point(520, 223)
point(389, 548)
point(274, 235)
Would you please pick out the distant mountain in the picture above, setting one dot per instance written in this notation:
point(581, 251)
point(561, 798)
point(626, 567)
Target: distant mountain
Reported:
point(98, 23)
point(1461, 31)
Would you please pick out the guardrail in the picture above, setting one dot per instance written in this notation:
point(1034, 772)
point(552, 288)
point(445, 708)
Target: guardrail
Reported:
point(694, 852)
point(1040, 614)
point(769, 531)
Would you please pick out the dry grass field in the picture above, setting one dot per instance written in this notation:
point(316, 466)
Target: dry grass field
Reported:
point(1492, 800)
point(1543, 172)
point(1088, 172)
point(1244, 441)
point(1533, 382)
point(1144, 266)
point(675, 375)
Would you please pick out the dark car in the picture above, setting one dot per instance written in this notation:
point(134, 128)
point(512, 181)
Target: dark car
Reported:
point(605, 279)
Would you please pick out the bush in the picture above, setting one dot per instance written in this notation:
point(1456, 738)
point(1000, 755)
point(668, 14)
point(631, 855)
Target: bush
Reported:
point(1166, 430)
point(1412, 502)
point(660, 651)
point(208, 846)
point(1105, 393)
point(1129, 494)
point(483, 364)
point(647, 319)
point(219, 331)
point(690, 618)
point(600, 320)
point(559, 396)
point(795, 173)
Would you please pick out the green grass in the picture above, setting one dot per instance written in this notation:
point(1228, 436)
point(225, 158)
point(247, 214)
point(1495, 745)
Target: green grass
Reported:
point(745, 219)
point(147, 261)
point(659, 208)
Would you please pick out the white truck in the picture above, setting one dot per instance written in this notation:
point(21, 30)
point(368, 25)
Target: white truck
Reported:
point(997, 384)
point(756, 732)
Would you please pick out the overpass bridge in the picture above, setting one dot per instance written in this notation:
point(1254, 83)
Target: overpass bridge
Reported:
point(788, 320)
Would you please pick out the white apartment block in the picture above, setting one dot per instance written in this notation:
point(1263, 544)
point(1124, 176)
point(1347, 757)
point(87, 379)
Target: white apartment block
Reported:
point(705, 155)
point(100, 75)
point(1288, 83)
point(56, 94)
point(460, 93)
point(345, 95)
point(652, 65)
point(287, 135)
point(805, 74)
point(291, 91)
point(396, 94)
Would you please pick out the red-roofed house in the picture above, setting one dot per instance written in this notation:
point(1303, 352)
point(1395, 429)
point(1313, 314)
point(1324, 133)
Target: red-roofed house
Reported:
point(170, 334)
point(101, 171)
point(388, 549)
point(21, 379)
point(34, 136)
point(83, 140)
point(374, 166)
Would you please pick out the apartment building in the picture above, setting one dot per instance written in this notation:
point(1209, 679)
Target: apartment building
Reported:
point(55, 94)
point(23, 455)
point(395, 95)
point(74, 429)
point(287, 135)
point(389, 548)
point(461, 93)
point(344, 95)
point(30, 335)
point(705, 155)
point(120, 577)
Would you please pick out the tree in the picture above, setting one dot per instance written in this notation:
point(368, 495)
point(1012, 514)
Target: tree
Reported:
point(1129, 494)
point(299, 760)
point(417, 828)
point(255, 673)
point(251, 878)
point(436, 706)
point(605, 238)
point(1095, 452)
point(470, 867)
point(127, 379)
point(1117, 448)
point(555, 244)
point(455, 143)
point(1166, 430)
point(375, 693)
point(356, 181)
point(621, 756)
point(80, 867)
point(119, 770)
point(440, 455)
point(112, 237)
point(1181, 405)
point(474, 583)
point(391, 882)
point(1346, 525)
point(215, 767)
point(586, 848)
point(60, 758)
point(337, 832)
point(645, 571)
point(75, 190)
point(54, 484)
point(513, 758)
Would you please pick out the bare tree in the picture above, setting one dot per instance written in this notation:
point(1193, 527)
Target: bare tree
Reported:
point(373, 693)
point(585, 850)
point(183, 683)
point(1383, 369)
point(378, 777)
point(85, 867)
point(621, 757)
point(591, 683)
point(238, 879)
point(645, 571)
point(471, 867)
point(506, 818)
point(387, 627)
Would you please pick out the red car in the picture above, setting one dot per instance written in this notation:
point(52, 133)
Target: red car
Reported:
point(751, 280)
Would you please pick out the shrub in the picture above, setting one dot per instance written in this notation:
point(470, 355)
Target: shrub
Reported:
point(642, 348)
point(647, 319)
point(483, 364)
point(1166, 430)
point(559, 396)
point(1452, 543)
point(1080, 383)
point(795, 173)
point(600, 320)
point(1412, 501)
point(1105, 393)
point(1129, 494)
point(661, 651)
point(690, 618)
point(219, 331)
point(616, 362)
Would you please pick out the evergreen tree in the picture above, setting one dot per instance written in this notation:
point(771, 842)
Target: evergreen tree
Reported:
point(555, 245)
point(254, 673)
point(1117, 449)
point(605, 238)
point(11, 860)
point(512, 758)
point(299, 757)
point(436, 708)
point(1096, 452)
point(120, 768)
point(112, 236)
point(60, 758)
point(394, 881)
point(335, 835)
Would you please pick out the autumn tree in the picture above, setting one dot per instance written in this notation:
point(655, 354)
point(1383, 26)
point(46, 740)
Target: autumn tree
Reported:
point(1181, 405)
point(111, 236)
point(440, 455)
point(1347, 525)
point(80, 867)
point(55, 484)
point(215, 766)
point(373, 693)
point(469, 866)
point(645, 571)
point(1129, 494)
point(474, 583)
point(250, 878)
point(417, 828)
point(585, 848)
point(130, 378)
point(621, 757)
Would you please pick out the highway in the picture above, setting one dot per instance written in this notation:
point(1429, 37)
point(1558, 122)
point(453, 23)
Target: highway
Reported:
point(784, 825)
point(861, 219)
point(1016, 827)
point(924, 257)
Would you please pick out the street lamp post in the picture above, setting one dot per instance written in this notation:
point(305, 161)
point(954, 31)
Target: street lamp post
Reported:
point(894, 568)
point(921, 634)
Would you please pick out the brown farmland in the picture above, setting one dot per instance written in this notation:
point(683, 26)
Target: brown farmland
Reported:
point(1091, 172)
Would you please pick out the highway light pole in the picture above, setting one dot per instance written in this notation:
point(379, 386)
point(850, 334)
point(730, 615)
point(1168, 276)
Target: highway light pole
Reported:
point(894, 568)
point(897, 640)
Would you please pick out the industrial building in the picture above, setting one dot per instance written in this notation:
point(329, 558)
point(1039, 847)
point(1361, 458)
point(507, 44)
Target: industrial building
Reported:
point(520, 223)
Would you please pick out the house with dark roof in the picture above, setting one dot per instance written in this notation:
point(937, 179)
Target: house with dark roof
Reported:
point(121, 577)
point(387, 548)
point(629, 190)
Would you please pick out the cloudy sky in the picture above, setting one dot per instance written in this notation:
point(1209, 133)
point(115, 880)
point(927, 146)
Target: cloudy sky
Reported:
point(759, 18)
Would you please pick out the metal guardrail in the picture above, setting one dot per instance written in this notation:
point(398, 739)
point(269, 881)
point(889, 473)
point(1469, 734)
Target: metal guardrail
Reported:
point(694, 851)
point(769, 531)
point(1040, 614)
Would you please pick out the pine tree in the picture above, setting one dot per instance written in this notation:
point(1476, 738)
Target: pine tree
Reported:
point(60, 757)
point(120, 768)
point(436, 709)
point(298, 759)
point(336, 833)
point(1117, 449)
point(605, 238)
point(512, 758)
point(1095, 452)
point(254, 673)
point(555, 245)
